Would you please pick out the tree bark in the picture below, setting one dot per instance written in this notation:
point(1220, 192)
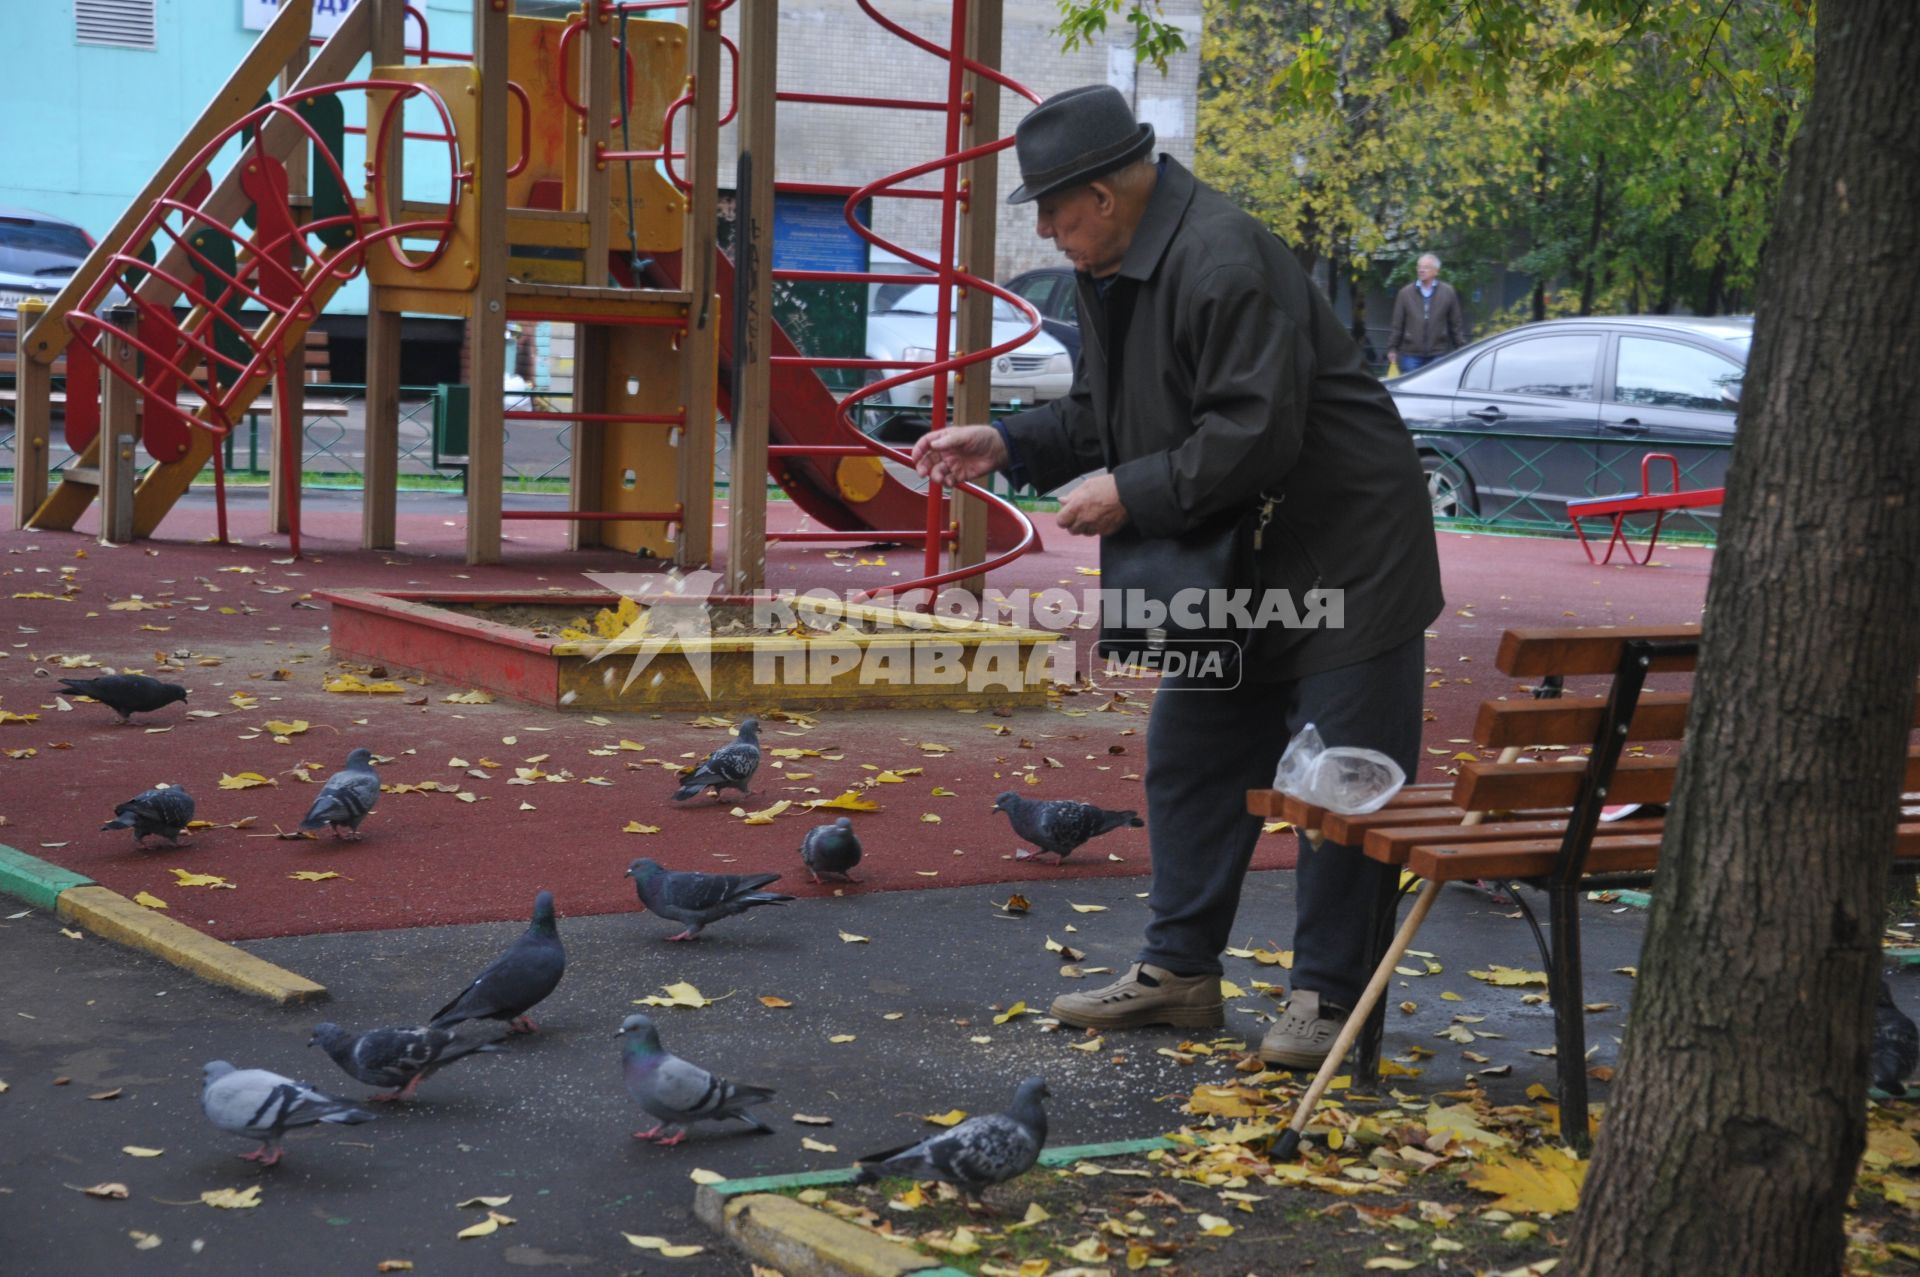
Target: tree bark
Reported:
point(1738, 1117)
point(1597, 225)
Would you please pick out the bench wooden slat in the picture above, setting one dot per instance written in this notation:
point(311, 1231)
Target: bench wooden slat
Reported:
point(1659, 716)
point(1539, 652)
point(1392, 846)
point(1530, 786)
point(1353, 830)
point(1271, 804)
point(1534, 858)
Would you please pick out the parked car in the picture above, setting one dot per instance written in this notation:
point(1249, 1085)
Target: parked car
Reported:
point(1039, 370)
point(37, 253)
point(1050, 290)
point(1515, 425)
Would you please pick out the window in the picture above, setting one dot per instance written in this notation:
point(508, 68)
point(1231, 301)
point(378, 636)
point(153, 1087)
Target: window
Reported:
point(124, 24)
point(1671, 374)
point(1479, 374)
point(40, 248)
point(1552, 367)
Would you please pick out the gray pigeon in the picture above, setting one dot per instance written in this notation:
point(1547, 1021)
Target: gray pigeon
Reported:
point(831, 849)
point(677, 1093)
point(1896, 1046)
point(1059, 825)
point(730, 767)
point(164, 811)
point(126, 694)
point(347, 797)
point(265, 1106)
point(696, 898)
point(518, 980)
point(399, 1059)
point(975, 1155)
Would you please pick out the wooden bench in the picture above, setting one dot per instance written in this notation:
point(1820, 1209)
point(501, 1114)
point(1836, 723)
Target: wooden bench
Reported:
point(1620, 505)
point(1539, 823)
point(315, 357)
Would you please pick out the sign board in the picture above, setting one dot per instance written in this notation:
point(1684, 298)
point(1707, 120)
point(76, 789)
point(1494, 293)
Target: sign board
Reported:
point(810, 232)
point(327, 14)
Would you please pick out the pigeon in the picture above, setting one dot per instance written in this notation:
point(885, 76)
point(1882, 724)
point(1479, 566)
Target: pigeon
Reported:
point(263, 1106)
point(831, 849)
point(730, 767)
point(399, 1059)
point(518, 980)
point(164, 811)
point(126, 694)
point(1059, 825)
point(347, 797)
point(676, 1092)
point(1896, 1045)
point(975, 1155)
point(698, 899)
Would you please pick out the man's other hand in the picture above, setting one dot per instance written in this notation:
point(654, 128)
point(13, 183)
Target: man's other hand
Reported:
point(959, 454)
point(1093, 509)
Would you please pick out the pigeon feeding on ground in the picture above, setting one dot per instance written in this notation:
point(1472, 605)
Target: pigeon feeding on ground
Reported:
point(164, 811)
point(265, 1106)
point(676, 1092)
point(831, 849)
point(518, 980)
point(975, 1155)
point(126, 694)
point(698, 899)
point(730, 767)
point(399, 1059)
point(1059, 825)
point(1896, 1045)
point(347, 798)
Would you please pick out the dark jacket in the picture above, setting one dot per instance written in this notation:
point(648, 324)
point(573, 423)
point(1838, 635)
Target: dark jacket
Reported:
point(1427, 325)
point(1215, 371)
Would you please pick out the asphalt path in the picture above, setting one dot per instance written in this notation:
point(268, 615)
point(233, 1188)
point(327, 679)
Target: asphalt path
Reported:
point(548, 1122)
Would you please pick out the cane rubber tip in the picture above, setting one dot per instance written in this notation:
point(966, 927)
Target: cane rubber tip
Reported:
point(1288, 1145)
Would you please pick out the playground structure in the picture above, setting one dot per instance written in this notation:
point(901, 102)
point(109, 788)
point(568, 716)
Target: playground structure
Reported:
point(199, 299)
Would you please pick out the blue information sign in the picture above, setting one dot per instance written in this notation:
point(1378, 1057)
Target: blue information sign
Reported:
point(810, 232)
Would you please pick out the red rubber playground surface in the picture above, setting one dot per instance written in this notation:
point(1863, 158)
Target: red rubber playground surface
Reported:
point(233, 617)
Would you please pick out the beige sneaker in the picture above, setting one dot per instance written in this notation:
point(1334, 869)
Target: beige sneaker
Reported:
point(1304, 1033)
point(1146, 995)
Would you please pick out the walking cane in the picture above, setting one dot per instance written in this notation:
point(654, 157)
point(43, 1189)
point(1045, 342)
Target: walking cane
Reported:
point(1289, 1143)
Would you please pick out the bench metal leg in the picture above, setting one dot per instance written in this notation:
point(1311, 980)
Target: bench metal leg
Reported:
point(1566, 990)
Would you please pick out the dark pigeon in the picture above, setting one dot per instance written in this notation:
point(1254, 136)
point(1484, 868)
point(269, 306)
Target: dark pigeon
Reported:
point(1059, 825)
point(696, 898)
point(164, 811)
point(975, 1155)
point(676, 1092)
point(730, 767)
point(126, 694)
point(347, 798)
point(265, 1106)
point(518, 980)
point(399, 1059)
point(831, 849)
point(1896, 1046)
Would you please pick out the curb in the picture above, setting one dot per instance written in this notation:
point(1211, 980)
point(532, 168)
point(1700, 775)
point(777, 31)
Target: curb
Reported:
point(111, 916)
point(803, 1242)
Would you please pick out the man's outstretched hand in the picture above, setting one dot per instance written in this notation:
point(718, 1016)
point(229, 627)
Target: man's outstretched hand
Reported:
point(959, 454)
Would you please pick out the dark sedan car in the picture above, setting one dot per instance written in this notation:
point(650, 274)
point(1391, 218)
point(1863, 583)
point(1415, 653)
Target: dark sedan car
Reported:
point(1516, 425)
point(1050, 290)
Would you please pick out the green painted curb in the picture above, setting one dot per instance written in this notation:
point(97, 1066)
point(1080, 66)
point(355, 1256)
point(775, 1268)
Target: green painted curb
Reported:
point(37, 882)
point(1052, 1157)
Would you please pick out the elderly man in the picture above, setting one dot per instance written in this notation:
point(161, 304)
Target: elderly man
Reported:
point(1427, 320)
point(1214, 378)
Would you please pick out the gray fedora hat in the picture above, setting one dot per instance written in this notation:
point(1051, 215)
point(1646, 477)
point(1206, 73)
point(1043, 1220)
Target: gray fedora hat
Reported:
point(1074, 137)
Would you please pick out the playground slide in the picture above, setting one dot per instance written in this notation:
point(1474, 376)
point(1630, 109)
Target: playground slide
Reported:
point(805, 411)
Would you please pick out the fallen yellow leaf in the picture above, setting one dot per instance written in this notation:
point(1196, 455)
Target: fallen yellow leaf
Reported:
point(682, 994)
point(245, 780)
point(1086, 908)
point(841, 1037)
point(662, 1246)
point(1545, 1183)
point(850, 938)
point(702, 1176)
point(1012, 1012)
point(776, 1003)
point(134, 1150)
point(149, 900)
point(849, 801)
point(474, 697)
point(312, 875)
point(635, 827)
point(353, 683)
point(233, 1198)
point(952, 1117)
point(815, 1146)
point(280, 728)
point(1510, 976)
point(185, 878)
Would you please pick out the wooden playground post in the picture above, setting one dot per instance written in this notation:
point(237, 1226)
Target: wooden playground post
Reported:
point(699, 350)
point(380, 465)
point(600, 83)
point(753, 296)
point(119, 428)
point(980, 216)
point(32, 419)
point(290, 391)
point(487, 322)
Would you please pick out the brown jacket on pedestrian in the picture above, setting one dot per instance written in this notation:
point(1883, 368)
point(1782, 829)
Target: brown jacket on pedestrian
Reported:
point(1427, 326)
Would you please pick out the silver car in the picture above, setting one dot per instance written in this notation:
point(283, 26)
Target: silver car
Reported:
point(1034, 372)
point(37, 253)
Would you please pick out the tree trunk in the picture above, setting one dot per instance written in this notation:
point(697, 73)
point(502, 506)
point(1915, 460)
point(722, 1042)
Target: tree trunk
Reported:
point(1738, 1117)
point(1592, 271)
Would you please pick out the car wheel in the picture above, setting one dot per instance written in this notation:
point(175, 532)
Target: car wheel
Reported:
point(1449, 488)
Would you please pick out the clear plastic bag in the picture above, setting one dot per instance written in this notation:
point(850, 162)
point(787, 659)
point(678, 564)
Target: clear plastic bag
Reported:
point(1344, 779)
